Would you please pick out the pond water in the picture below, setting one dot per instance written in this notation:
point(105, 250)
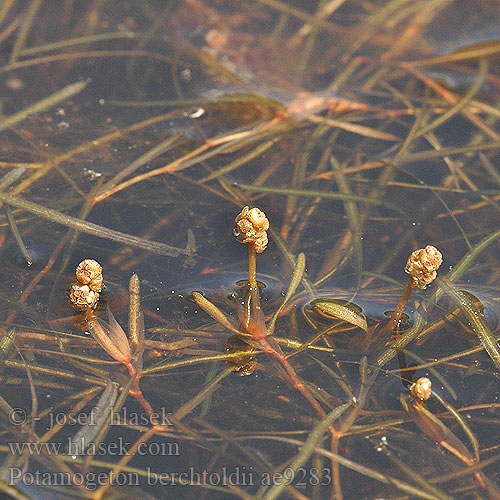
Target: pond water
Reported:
point(134, 133)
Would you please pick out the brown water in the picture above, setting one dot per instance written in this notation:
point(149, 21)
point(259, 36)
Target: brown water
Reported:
point(362, 136)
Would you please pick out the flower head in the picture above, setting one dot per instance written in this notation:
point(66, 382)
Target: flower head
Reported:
point(423, 264)
point(82, 297)
point(89, 272)
point(252, 225)
point(421, 389)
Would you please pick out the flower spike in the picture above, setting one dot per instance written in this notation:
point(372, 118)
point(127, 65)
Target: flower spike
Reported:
point(421, 390)
point(423, 264)
point(252, 225)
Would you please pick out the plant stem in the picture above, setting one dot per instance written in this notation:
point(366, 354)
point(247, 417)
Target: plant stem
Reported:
point(263, 343)
point(135, 391)
point(252, 267)
point(396, 315)
point(133, 314)
point(294, 378)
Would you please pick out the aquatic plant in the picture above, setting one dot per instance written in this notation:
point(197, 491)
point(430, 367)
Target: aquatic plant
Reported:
point(422, 266)
point(111, 337)
point(436, 430)
point(252, 225)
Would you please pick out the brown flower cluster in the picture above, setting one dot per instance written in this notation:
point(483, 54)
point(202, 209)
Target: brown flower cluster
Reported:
point(252, 225)
point(421, 389)
point(423, 264)
point(89, 272)
point(82, 297)
point(85, 294)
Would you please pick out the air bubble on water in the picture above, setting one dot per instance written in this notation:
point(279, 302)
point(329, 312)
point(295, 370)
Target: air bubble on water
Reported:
point(196, 114)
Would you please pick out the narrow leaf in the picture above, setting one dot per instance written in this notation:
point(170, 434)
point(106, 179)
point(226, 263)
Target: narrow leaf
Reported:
point(298, 272)
point(340, 311)
point(99, 414)
point(213, 311)
point(90, 228)
point(44, 104)
point(475, 318)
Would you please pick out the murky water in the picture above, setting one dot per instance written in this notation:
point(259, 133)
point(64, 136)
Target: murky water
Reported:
point(140, 130)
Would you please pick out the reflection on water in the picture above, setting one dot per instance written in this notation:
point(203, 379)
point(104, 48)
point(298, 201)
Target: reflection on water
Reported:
point(134, 132)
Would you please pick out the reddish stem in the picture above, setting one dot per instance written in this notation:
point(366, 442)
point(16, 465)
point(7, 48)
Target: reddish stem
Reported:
point(135, 391)
point(296, 382)
point(395, 318)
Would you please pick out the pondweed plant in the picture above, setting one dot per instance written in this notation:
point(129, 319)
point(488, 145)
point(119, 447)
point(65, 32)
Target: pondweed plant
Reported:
point(252, 225)
point(436, 430)
point(422, 266)
point(111, 337)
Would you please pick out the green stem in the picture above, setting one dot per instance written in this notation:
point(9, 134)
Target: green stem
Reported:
point(134, 314)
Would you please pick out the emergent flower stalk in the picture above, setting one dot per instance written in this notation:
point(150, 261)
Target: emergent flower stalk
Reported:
point(421, 266)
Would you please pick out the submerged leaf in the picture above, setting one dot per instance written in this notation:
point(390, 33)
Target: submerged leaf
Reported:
point(473, 51)
point(213, 311)
point(341, 309)
point(298, 273)
point(434, 429)
point(6, 342)
point(91, 228)
point(43, 105)
point(98, 417)
point(475, 319)
point(354, 128)
point(240, 356)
